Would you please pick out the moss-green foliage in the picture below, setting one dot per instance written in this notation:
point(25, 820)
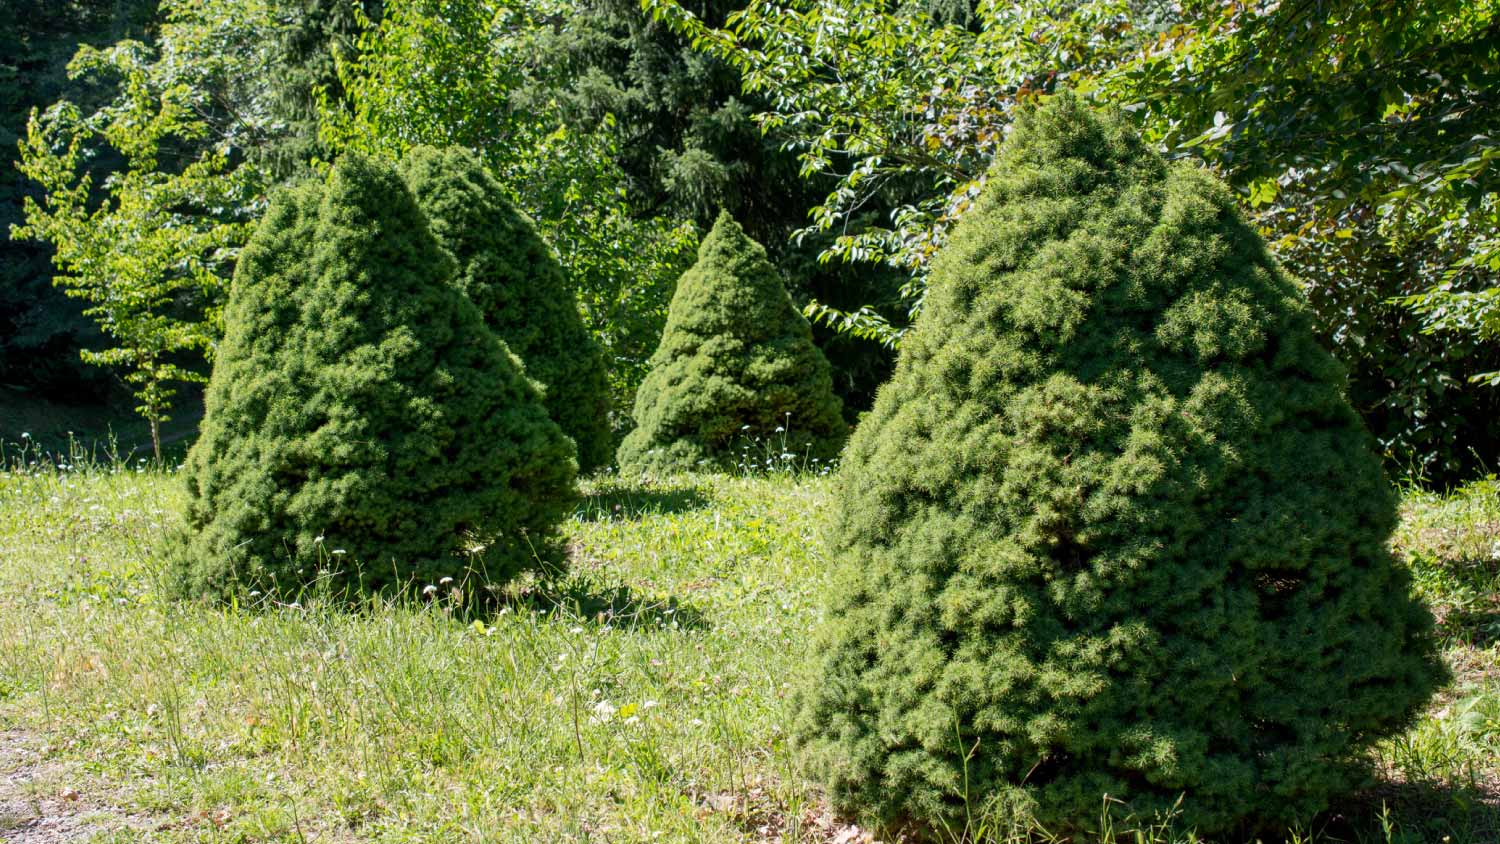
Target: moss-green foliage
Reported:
point(361, 417)
point(1113, 528)
point(506, 269)
point(736, 364)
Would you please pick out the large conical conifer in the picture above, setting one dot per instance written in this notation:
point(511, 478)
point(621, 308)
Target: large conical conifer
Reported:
point(736, 364)
point(506, 269)
point(1112, 529)
point(361, 421)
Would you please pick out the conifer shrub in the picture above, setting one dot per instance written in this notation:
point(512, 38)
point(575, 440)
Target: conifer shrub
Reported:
point(509, 273)
point(1112, 528)
point(736, 365)
point(363, 428)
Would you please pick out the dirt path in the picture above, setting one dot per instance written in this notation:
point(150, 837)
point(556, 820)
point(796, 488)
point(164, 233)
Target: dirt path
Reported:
point(37, 806)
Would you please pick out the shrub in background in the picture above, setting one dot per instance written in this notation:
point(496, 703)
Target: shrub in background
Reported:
point(508, 272)
point(736, 364)
point(360, 418)
point(1413, 389)
point(1113, 528)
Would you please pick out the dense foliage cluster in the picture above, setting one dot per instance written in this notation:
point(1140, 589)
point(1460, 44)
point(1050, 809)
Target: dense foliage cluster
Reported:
point(736, 364)
point(152, 159)
point(510, 274)
point(689, 145)
point(847, 136)
point(1362, 137)
point(1113, 527)
point(363, 424)
point(476, 74)
point(1414, 389)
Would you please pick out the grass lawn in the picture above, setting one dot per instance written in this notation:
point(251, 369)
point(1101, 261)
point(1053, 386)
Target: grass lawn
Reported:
point(643, 701)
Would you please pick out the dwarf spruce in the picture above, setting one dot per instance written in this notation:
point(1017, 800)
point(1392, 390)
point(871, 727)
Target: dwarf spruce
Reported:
point(363, 427)
point(1112, 529)
point(509, 273)
point(736, 364)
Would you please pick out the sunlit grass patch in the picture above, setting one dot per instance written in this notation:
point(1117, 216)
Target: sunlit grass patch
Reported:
point(1453, 543)
point(641, 699)
point(562, 714)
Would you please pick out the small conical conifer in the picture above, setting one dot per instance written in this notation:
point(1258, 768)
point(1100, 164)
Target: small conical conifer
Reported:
point(736, 365)
point(363, 428)
point(1112, 536)
point(509, 273)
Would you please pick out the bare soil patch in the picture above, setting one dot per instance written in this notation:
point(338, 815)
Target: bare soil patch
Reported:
point(38, 806)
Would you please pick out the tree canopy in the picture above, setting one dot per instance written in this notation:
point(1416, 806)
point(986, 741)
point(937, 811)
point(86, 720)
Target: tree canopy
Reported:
point(849, 137)
point(1356, 135)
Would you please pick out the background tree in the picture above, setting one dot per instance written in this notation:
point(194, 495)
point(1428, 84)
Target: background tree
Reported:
point(687, 143)
point(223, 86)
point(1356, 134)
point(147, 259)
point(736, 364)
point(364, 427)
point(511, 275)
point(450, 73)
point(41, 329)
point(1363, 138)
point(1113, 527)
point(313, 36)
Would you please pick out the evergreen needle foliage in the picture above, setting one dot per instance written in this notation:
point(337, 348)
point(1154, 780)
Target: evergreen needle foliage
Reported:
point(736, 364)
point(360, 418)
point(506, 269)
point(1113, 528)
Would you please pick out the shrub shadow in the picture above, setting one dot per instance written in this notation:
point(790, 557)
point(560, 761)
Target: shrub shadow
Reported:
point(616, 499)
point(585, 599)
point(1475, 628)
point(1421, 811)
